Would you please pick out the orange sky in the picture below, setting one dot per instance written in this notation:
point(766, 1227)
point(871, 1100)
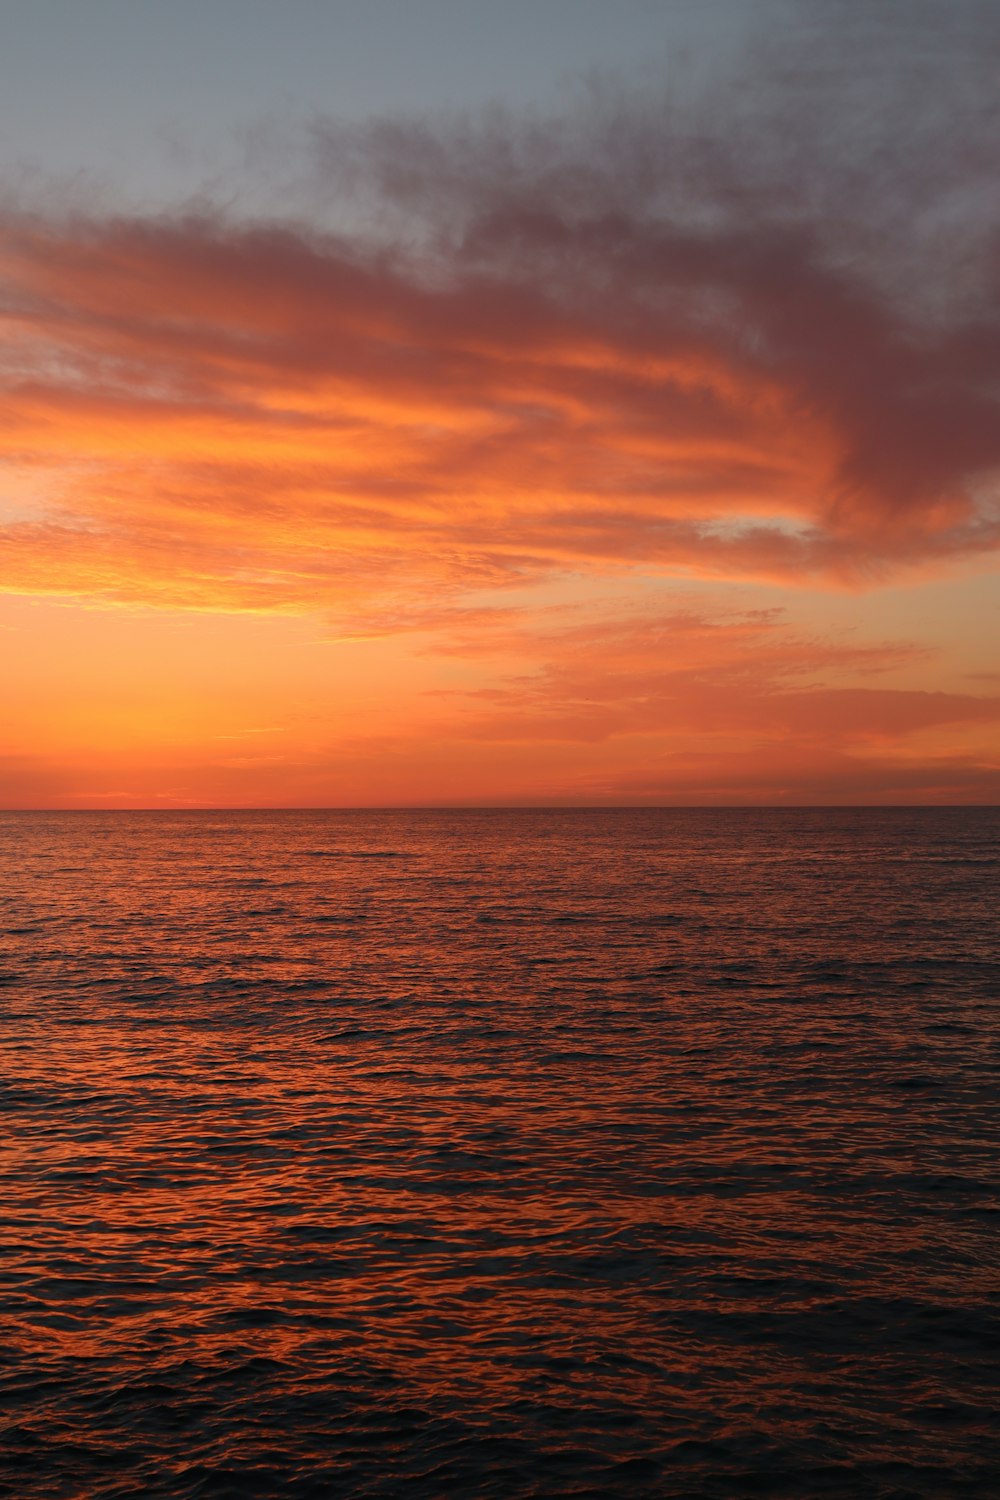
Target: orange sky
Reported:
point(516, 494)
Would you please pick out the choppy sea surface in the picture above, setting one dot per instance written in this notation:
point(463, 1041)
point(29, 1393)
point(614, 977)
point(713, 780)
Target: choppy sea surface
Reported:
point(548, 1153)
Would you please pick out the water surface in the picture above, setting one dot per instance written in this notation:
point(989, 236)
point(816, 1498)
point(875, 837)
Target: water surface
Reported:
point(509, 1154)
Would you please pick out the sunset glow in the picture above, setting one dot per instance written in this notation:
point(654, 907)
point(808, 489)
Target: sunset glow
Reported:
point(586, 459)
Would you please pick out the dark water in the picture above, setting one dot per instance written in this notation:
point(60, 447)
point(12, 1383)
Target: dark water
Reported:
point(551, 1153)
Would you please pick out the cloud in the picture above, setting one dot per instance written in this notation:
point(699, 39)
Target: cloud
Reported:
point(683, 706)
point(735, 679)
point(579, 702)
point(753, 335)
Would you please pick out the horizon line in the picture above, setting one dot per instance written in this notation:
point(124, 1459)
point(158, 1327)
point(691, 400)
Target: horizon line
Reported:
point(529, 807)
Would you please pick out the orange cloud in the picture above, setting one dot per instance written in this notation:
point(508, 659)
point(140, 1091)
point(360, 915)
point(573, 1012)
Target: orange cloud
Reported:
point(271, 418)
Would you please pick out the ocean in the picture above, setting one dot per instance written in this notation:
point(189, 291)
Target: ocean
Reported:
point(645, 1152)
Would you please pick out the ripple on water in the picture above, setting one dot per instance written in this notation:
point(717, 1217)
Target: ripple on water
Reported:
point(549, 1153)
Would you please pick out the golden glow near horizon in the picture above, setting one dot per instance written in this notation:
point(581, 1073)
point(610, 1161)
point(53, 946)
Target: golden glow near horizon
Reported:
point(662, 491)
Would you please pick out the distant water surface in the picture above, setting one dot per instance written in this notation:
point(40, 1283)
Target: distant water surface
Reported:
point(550, 1153)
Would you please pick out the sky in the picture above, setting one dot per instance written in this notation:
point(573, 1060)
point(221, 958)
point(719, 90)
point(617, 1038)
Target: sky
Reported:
point(431, 402)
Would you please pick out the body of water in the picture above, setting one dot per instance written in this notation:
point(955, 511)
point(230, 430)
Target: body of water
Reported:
point(545, 1153)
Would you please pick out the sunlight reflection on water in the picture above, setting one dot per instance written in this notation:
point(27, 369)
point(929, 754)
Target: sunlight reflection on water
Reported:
point(537, 1153)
